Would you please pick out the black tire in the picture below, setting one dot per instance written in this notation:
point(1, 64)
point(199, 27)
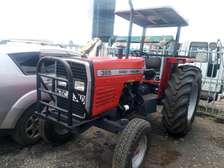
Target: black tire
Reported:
point(24, 134)
point(128, 141)
point(54, 135)
point(181, 100)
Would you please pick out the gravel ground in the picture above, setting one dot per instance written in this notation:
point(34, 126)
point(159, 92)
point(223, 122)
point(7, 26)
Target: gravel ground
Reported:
point(203, 147)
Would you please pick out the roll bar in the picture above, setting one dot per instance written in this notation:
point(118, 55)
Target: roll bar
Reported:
point(130, 27)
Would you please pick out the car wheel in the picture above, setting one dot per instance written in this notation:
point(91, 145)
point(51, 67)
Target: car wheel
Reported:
point(27, 128)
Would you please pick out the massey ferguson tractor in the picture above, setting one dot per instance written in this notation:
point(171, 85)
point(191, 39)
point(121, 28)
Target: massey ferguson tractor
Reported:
point(118, 93)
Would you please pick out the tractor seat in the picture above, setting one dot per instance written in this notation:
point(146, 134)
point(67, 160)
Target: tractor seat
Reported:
point(153, 62)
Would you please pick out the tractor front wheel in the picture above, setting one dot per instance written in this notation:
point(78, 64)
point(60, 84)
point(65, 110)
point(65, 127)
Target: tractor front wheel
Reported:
point(181, 100)
point(133, 144)
point(53, 133)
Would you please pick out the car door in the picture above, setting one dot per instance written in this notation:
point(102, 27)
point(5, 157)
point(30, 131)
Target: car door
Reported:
point(18, 77)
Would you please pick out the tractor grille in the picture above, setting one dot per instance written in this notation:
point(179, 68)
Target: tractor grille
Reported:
point(79, 75)
point(76, 107)
point(68, 89)
point(78, 71)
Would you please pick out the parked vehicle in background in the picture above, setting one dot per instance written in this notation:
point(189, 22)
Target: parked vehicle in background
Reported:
point(210, 61)
point(18, 62)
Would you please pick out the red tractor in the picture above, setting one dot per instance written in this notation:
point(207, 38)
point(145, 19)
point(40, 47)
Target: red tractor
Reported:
point(118, 93)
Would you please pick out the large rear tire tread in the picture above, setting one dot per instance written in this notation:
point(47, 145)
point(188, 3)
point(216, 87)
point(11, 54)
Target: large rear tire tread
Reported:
point(177, 98)
point(128, 139)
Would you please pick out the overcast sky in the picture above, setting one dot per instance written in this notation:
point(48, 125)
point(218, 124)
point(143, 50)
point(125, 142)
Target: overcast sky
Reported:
point(64, 20)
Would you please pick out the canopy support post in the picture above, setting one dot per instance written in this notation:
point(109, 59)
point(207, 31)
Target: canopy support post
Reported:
point(143, 39)
point(175, 52)
point(130, 27)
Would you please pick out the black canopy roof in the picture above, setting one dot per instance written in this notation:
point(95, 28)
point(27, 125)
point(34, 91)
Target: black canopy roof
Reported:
point(155, 17)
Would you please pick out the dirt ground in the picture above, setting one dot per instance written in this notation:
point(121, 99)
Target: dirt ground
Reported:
point(203, 147)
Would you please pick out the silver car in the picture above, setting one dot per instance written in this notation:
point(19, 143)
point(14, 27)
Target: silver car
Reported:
point(18, 89)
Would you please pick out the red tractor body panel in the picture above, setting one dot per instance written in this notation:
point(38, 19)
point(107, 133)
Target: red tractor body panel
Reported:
point(110, 76)
point(168, 65)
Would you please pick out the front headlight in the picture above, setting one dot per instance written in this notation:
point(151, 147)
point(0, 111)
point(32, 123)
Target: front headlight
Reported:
point(62, 84)
point(80, 86)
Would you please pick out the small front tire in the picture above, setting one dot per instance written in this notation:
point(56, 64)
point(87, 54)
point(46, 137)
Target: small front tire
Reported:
point(133, 144)
point(54, 134)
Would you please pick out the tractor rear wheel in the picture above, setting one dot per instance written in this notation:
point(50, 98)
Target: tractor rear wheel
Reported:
point(132, 145)
point(181, 100)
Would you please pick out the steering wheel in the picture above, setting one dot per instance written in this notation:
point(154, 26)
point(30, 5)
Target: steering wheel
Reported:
point(138, 53)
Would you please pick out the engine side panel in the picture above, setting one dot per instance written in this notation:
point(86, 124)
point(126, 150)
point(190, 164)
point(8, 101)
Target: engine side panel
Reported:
point(110, 77)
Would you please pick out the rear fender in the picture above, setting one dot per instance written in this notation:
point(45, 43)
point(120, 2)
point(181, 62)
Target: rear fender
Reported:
point(169, 64)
